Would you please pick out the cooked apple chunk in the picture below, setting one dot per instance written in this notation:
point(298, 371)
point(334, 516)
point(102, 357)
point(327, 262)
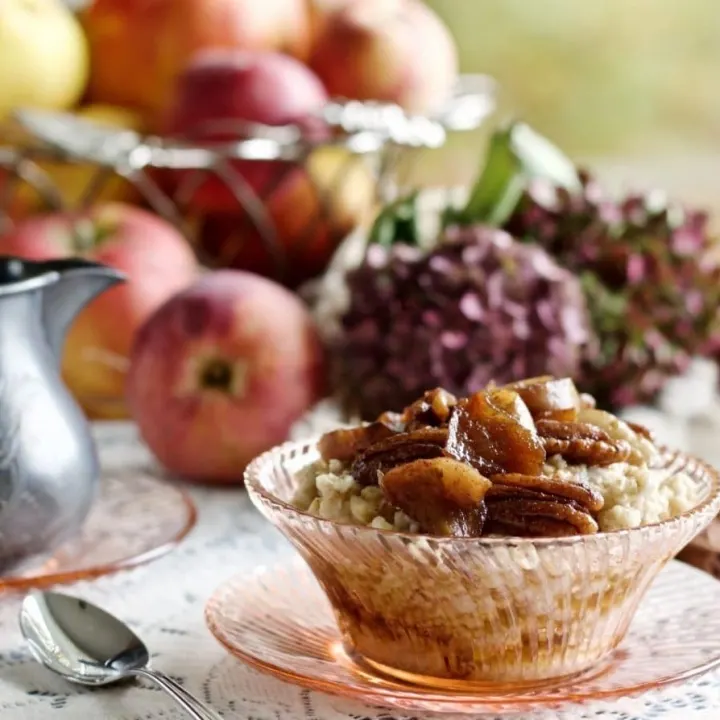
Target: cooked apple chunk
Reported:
point(444, 496)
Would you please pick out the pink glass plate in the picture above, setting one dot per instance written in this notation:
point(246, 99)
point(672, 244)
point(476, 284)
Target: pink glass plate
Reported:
point(279, 621)
point(136, 518)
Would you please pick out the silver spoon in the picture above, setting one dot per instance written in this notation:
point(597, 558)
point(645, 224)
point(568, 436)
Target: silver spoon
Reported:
point(88, 646)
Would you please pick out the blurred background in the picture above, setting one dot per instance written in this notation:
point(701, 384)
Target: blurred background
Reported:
point(615, 77)
point(627, 85)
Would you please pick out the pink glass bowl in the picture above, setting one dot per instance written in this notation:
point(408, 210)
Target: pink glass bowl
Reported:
point(481, 613)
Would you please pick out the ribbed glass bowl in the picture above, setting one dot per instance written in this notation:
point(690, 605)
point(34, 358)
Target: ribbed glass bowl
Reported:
point(456, 613)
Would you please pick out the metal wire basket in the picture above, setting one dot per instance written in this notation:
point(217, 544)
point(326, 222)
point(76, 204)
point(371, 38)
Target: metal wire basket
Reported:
point(365, 139)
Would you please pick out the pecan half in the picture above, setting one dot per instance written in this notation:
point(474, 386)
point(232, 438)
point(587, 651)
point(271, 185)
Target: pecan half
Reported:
point(584, 451)
point(642, 450)
point(582, 442)
point(508, 485)
point(530, 527)
point(398, 449)
point(571, 431)
point(538, 518)
point(498, 491)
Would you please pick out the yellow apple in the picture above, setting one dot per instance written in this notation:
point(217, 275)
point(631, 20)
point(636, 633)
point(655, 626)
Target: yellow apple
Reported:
point(44, 58)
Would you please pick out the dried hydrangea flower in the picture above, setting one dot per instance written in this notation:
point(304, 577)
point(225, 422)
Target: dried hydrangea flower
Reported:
point(480, 307)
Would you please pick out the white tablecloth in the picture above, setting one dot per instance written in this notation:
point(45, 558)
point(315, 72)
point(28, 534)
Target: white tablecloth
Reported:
point(164, 602)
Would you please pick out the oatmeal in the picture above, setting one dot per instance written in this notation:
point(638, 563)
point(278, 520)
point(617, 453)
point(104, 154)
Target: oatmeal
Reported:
point(633, 495)
point(534, 458)
point(328, 490)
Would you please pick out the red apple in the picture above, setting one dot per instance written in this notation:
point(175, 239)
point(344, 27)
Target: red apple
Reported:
point(221, 372)
point(138, 47)
point(390, 50)
point(320, 11)
point(221, 91)
point(311, 211)
point(157, 261)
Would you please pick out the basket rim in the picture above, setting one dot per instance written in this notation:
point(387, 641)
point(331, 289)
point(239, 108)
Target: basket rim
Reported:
point(363, 127)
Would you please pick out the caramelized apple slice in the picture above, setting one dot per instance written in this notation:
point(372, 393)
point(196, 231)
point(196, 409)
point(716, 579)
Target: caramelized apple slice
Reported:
point(512, 404)
point(345, 444)
point(549, 397)
point(433, 409)
point(444, 496)
point(393, 420)
point(494, 432)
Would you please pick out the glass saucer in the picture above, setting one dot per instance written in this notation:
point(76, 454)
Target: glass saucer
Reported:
point(137, 517)
point(279, 621)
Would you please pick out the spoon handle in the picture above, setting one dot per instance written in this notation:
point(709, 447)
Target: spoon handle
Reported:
point(191, 705)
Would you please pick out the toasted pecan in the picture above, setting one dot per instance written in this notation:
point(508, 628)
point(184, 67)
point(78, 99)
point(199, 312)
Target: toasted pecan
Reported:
point(571, 430)
point(530, 527)
point(595, 453)
point(585, 496)
point(398, 449)
point(526, 516)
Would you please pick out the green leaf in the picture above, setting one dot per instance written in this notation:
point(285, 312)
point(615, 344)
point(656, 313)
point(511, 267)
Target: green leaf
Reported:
point(516, 155)
point(397, 222)
point(499, 186)
point(541, 159)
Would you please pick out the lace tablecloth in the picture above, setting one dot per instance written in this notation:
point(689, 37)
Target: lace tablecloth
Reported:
point(164, 602)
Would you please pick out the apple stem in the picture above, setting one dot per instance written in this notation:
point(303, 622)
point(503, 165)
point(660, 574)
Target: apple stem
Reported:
point(223, 375)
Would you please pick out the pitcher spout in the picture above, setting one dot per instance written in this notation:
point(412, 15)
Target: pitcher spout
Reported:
point(78, 282)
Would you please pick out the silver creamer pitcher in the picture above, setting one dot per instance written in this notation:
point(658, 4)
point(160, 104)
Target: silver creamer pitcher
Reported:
point(48, 463)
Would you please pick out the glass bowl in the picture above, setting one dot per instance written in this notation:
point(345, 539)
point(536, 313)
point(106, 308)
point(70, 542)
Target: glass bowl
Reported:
point(482, 613)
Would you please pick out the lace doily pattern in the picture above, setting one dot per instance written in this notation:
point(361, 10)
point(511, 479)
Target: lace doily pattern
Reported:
point(164, 601)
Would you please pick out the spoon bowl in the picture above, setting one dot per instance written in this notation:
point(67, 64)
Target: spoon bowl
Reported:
point(81, 642)
point(88, 646)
